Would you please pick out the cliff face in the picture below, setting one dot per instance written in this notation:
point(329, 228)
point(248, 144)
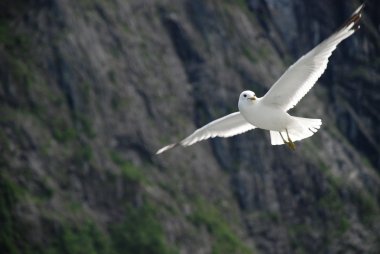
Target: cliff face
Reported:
point(89, 90)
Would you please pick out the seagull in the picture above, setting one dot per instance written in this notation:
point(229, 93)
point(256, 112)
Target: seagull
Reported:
point(270, 111)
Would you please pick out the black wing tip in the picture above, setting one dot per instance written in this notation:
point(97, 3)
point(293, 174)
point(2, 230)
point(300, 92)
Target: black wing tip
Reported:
point(354, 20)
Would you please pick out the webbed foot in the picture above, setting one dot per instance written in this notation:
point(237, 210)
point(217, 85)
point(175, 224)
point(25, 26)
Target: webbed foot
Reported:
point(289, 143)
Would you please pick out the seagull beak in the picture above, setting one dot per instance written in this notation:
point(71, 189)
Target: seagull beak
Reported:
point(253, 98)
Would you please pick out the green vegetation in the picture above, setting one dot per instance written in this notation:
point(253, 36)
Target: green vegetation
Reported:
point(116, 103)
point(64, 134)
point(273, 217)
point(333, 203)
point(87, 5)
point(83, 153)
point(242, 4)
point(248, 53)
point(12, 41)
point(112, 76)
point(360, 72)
point(5, 34)
point(343, 224)
point(128, 170)
point(10, 230)
point(366, 161)
point(85, 124)
point(224, 239)
point(45, 193)
point(22, 72)
point(85, 91)
point(367, 206)
point(84, 238)
point(62, 131)
point(140, 232)
point(263, 52)
point(296, 233)
point(126, 28)
point(4, 144)
point(132, 173)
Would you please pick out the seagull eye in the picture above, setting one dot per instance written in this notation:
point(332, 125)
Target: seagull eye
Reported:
point(244, 95)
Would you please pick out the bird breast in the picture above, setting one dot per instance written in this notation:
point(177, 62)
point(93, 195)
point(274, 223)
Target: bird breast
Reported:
point(264, 117)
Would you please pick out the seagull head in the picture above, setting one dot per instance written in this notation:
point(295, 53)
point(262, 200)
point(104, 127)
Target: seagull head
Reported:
point(247, 96)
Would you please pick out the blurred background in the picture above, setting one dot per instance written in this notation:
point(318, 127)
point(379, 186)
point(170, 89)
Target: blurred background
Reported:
point(89, 90)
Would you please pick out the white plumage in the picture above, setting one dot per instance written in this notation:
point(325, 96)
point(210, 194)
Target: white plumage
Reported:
point(230, 125)
point(270, 111)
point(299, 78)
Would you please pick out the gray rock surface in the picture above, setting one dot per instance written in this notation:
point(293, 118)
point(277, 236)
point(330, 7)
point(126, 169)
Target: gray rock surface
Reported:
point(89, 90)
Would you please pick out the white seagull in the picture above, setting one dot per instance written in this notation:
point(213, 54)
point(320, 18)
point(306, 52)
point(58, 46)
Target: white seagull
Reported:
point(270, 111)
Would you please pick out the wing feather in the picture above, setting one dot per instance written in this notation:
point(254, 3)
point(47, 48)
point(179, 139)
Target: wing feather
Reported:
point(227, 126)
point(296, 82)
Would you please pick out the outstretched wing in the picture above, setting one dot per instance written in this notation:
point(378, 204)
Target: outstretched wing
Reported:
point(302, 75)
point(230, 125)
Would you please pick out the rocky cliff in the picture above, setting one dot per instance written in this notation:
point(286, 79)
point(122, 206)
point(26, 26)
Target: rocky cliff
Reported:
point(89, 90)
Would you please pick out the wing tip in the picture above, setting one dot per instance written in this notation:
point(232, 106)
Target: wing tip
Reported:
point(359, 9)
point(353, 22)
point(165, 148)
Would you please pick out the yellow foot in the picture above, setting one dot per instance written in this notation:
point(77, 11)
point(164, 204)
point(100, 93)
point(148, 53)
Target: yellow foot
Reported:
point(290, 144)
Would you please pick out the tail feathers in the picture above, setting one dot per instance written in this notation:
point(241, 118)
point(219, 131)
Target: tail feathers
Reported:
point(301, 129)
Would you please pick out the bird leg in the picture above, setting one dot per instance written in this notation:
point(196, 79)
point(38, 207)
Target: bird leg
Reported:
point(289, 143)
